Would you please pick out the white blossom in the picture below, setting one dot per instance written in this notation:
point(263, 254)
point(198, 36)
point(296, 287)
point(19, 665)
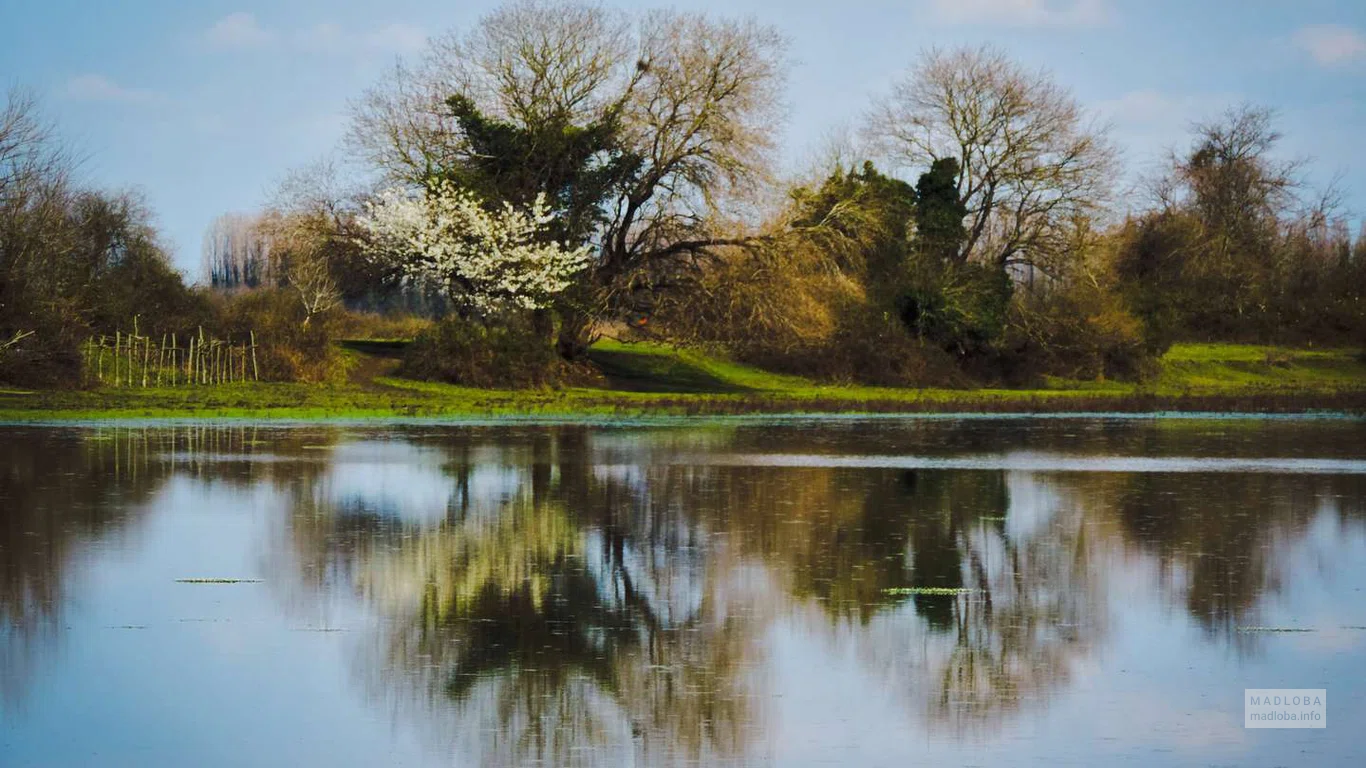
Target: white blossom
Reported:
point(486, 259)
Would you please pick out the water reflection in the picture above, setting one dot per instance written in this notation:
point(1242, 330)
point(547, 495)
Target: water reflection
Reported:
point(59, 492)
point(586, 595)
point(1220, 541)
point(561, 616)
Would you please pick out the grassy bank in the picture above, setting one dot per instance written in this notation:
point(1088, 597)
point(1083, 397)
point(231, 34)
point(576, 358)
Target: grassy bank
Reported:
point(645, 379)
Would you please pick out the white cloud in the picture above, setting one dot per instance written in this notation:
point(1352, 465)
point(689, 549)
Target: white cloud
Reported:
point(1023, 13)
point(238, 30)
point(92, 87)
point(1331, 45)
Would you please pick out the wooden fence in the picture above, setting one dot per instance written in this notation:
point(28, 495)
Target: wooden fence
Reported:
point(132, 360)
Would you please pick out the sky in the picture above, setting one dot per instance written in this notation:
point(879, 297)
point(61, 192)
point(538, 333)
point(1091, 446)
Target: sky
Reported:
point(204, 106)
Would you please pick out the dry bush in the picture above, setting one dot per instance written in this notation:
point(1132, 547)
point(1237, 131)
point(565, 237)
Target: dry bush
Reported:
point(873, 348)
point(44, 352)
point(757, 304)
point(787, 309)
point(1079, 328)
point(385, 327)
point(289, 349)
point(503, 353)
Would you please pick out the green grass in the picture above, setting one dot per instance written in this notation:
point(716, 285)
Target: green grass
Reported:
point(656, 379)
point(654, 368)
point(650, 359)
point(1235, 366)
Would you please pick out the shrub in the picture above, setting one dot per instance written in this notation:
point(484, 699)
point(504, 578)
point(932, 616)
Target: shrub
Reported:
point(790, 311)
point(874, 348)
point(1079, 330)
point(758, 305)
point(505, 352)
point(375, 326)
point(50, 356)
point(289, 349)
point(960, 308)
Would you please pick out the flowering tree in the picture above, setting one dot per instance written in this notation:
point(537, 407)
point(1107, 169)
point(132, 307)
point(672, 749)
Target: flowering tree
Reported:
point(646, 133)
point(484, 259)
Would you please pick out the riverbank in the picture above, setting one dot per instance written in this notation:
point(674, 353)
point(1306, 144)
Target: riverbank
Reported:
point(650, 379)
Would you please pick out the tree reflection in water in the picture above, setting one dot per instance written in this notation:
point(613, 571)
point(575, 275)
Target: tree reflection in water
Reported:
point(1222, 542)
point(562, 621)
point(602, 605)
point(577, 595)
point(608, 593)
point(66, 492)
point(1033, 603)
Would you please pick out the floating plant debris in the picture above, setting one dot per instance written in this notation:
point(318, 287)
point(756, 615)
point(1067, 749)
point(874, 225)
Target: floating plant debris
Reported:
point(947, 591)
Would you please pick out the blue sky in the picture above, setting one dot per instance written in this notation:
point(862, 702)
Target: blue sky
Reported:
point(204, 105)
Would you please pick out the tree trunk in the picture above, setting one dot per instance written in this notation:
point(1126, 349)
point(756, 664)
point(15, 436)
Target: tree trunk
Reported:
point(543, 324)
point(576, 335)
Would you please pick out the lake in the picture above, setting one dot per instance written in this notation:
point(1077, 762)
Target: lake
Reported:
point(941, 591)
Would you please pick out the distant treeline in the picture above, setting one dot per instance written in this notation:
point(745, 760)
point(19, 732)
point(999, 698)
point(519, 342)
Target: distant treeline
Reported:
point(559, 171)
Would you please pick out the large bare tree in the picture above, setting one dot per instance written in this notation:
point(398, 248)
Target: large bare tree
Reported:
point(693, 103)
point(35, 192)
point(1233, 181)
point(1032, 164)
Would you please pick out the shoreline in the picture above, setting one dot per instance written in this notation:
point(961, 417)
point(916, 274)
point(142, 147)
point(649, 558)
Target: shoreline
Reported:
point(650, 380)
point(340, 405)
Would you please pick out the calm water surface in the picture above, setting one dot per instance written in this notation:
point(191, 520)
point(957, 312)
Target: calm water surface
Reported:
point(704, 594)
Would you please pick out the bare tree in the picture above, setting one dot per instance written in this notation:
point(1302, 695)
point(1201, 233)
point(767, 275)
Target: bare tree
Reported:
point(702, 117)
point(326, 189)
point(238, 254)
point(318, 205)
point(1234, 183)
point(29, 151)
point(35, 190)
point(311, 277)
point(1031, 163)
point(299, 242)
